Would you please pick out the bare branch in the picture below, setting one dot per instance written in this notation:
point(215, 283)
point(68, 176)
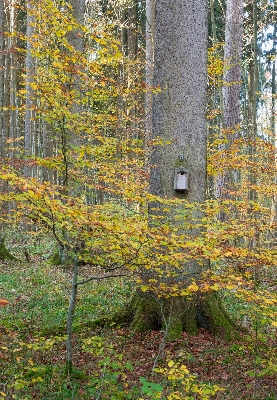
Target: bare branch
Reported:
point(100, 277)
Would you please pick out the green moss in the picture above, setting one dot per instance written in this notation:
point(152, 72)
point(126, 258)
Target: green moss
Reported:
point(55, 259)
point(5, 254)
point(220, 324)
point(146, 312)
point(190, 317)
point(175, 330)
point(53, 330)
point(183, 314)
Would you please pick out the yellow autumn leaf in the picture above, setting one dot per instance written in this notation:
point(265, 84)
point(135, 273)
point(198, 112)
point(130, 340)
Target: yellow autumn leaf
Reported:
point(192, 288)
point(184, 369)
point(170, 363)
point(274, 323)
point(268, 301)
point(230, 287)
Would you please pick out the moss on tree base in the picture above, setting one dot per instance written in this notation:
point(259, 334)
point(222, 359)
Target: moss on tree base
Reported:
point(146, 312)
point(5, 254)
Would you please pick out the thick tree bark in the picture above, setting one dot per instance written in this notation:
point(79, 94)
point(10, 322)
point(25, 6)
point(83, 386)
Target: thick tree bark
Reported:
point(179, 109)
point(179, 117)
point(147, 311)
point(181, 314)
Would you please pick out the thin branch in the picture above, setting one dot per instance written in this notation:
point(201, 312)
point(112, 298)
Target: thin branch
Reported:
point(100, 277)
point(272, 234)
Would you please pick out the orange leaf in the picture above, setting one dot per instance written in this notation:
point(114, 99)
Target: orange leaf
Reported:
point(3, 302)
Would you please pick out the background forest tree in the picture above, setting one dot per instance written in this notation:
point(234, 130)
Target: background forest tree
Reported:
point(102, 103)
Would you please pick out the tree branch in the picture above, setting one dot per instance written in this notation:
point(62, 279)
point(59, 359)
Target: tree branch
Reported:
point(91, 278)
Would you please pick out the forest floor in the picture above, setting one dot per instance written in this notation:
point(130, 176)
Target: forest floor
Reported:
point(114, 362)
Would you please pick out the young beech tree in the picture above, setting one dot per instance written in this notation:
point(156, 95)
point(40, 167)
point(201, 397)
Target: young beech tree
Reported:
point(179, 123)
point(76, 93)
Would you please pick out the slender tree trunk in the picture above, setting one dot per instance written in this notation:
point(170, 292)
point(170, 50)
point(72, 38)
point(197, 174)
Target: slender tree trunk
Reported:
point(4, 97)
point(2, 69)
point(12, 122)
point(252, 96)
point(149, 67)
point(30, 125)
point(132, 55)
point(273, 79)
point(6, 112)
point(232, 60)
point(70, 315)
point(273, 217)
point(231, 89)
point(76, 39)
point(253, 79)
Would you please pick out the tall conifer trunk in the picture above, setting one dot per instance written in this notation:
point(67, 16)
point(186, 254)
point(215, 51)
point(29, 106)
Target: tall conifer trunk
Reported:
point(179, 117)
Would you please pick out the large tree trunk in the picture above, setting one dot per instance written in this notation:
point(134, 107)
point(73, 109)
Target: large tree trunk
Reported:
point(179, 117)
point(180, 65)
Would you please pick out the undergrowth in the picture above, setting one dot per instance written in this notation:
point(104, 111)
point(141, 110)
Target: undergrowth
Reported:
point(112, 362)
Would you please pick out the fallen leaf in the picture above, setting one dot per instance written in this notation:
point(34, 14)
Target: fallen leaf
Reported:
point(3, 302)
